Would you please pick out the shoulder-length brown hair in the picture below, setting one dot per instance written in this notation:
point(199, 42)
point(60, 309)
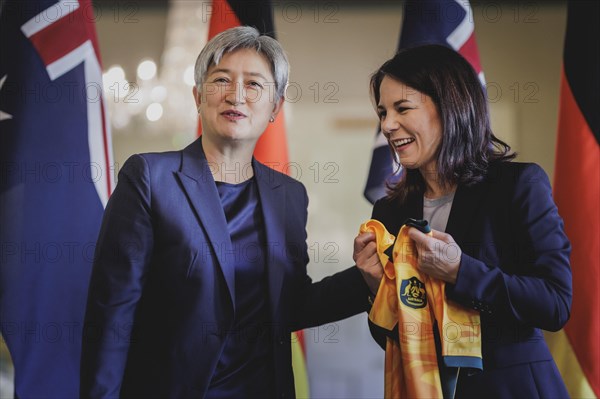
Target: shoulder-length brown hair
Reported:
point(468, 144)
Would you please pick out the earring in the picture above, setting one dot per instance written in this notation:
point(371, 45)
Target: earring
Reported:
point(272, 119)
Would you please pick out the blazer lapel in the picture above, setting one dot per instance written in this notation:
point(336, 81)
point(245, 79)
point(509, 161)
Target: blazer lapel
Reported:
point(464, 208)
point(411, 208)
point(198, 183)
point(272, 200)
point(397, 214)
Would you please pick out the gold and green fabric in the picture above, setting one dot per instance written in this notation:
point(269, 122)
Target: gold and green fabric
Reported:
point(416, 304)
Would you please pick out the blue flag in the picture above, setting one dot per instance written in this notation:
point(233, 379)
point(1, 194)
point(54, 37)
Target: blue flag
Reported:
point(445, 22)
point(54, 182)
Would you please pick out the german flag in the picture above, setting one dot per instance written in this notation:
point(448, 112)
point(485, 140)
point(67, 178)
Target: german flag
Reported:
point(271, 148)
point(577, 194)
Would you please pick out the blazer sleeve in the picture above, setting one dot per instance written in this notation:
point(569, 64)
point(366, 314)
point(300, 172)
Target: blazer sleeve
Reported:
point(539, 293)
point(121, 261)
point(335, 297)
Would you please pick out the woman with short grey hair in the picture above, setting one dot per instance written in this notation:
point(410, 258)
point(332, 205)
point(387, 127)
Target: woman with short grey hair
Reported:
point(200, 274)
point(245, 37)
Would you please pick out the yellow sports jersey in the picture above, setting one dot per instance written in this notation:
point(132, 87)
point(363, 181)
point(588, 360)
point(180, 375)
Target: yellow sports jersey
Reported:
point(413, 302)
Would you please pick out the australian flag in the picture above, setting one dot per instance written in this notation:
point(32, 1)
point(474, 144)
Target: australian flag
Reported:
point(445, 22)
point(55, 178)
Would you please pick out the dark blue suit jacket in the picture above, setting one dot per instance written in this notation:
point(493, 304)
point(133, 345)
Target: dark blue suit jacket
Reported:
point(514, 270)
point(161, 296)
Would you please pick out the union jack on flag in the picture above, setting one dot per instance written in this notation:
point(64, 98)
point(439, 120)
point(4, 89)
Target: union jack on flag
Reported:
point(445, 22)
point(55, 179)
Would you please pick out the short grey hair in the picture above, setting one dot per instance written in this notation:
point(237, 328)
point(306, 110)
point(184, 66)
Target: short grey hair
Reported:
point(244, 37)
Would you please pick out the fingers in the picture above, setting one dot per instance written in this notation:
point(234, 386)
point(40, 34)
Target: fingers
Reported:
point(439, 255)
point(364, 247)
point(367, 252)
point(447, 238)
point(424, 239)
point(362, 240)
point(418, 237)
point(367, 261)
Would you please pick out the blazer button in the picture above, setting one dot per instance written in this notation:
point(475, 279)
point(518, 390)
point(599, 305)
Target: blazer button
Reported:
point(281, 343)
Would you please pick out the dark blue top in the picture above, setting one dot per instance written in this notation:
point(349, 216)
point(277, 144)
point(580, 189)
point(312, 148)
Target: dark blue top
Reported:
point(245, 368)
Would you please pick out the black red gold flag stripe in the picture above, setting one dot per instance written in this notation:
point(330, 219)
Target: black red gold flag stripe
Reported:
point(577, 192)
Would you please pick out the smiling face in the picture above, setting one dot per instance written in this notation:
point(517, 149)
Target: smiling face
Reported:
point(411, 123)
point(237, 98)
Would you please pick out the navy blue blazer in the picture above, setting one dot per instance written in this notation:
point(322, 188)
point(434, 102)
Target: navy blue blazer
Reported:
point(514, 269)
point(161, 296)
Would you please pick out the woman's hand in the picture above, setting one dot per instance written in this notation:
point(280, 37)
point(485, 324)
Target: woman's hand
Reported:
point(367, 260)
point(439, 256)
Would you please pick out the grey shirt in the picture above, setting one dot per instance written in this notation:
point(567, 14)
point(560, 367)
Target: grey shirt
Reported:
point(436, 211)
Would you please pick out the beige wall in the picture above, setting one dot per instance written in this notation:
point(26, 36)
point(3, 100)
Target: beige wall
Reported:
point(335, 50)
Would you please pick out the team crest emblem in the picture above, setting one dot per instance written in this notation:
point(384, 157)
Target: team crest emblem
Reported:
point(412, 293)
